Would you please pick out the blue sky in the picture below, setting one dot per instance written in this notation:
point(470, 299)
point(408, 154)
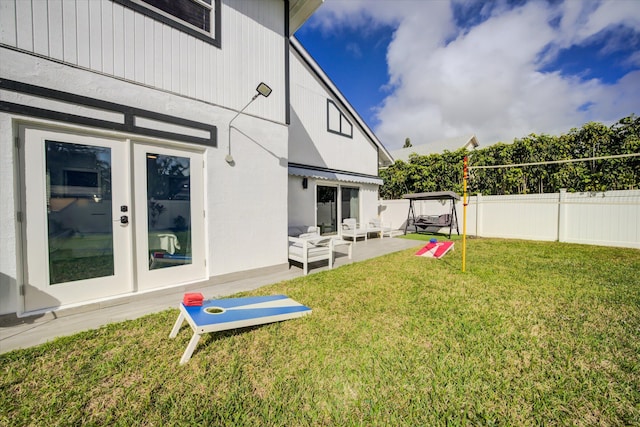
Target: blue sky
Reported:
point(433, 70)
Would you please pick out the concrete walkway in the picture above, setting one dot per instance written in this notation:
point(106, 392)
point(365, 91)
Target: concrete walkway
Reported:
point(26, 332)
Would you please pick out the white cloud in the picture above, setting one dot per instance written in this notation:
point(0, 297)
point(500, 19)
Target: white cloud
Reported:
point(448, 81)
point(360, 13)
point(354, 49)
point(625, 12)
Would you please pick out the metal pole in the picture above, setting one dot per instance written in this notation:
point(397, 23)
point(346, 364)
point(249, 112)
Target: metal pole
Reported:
point(235, 117)
point(464, 211)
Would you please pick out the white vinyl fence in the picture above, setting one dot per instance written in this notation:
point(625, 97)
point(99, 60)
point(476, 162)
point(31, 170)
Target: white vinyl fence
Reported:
point(610, 218)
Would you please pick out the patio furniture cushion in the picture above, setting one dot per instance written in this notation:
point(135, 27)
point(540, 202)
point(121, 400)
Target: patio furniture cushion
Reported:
point(297, 230)
point(307, 235)
point(377, 226)
point(312, 250)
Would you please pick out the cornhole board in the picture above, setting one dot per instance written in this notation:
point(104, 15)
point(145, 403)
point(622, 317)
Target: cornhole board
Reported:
point(232, 313)
point(435, 249)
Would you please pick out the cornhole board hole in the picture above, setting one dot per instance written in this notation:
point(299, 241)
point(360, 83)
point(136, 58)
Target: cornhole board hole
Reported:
point(435, 249)
point(232, 313)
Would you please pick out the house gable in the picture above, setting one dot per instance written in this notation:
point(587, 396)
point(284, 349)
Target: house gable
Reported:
point(325, 130)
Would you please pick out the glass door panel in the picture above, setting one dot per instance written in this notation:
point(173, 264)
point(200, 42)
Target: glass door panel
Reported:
point(327, 209)
point(79, 219)
point(169, 202)
point(168, 210)
point(350, 206)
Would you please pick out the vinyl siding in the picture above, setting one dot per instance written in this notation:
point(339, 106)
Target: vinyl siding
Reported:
point(108, 38)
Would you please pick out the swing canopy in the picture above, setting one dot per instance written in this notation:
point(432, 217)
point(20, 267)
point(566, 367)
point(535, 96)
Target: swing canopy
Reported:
point(424, 222)
point(434, 195)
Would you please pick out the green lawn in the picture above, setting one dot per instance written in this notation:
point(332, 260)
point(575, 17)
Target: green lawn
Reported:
point(534, 333)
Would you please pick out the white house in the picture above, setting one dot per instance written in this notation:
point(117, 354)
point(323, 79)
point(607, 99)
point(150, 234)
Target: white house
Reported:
point(121, 172)
point(436, 147)
point(333, 155)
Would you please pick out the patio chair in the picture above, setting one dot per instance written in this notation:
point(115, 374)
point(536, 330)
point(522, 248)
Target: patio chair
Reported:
point(167, 242)
point(309, 247)
point(352, 230)
point(377, 226)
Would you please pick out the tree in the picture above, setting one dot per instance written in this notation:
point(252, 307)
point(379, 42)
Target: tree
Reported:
point(395, 180)
point(407, 143)
point(443, 172)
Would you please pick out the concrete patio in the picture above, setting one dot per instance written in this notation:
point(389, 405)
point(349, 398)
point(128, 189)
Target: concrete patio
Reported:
point(29, 331)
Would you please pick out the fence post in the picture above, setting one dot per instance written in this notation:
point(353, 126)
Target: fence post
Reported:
point(479, 219)
point(562, 215)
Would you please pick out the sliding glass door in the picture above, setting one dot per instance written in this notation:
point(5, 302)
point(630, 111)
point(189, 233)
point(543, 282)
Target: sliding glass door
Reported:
point(327, 209)
point(350, 206)
point(330, 213)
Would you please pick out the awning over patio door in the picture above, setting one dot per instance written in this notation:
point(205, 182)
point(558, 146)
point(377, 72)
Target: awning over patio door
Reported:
point(333, 175)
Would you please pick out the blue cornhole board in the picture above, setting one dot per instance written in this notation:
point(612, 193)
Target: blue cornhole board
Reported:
point(232, 313)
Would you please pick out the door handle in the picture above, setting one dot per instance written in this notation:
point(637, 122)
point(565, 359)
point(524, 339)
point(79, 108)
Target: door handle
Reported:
point(123, 219)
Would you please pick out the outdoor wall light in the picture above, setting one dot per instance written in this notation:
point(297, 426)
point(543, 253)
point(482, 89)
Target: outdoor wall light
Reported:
point(262, 89)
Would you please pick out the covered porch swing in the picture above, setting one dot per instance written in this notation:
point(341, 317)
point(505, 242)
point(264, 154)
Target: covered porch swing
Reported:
point(422, 223)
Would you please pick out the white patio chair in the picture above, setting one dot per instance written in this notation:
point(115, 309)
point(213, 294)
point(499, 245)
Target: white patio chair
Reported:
point(377, 226)
point(308, 249)
point(352, 230)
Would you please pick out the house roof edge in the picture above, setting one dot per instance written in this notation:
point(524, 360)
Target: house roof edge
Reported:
point(383, 153)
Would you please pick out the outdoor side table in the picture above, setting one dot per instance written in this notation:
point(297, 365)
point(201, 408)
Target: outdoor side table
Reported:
point(232, 313)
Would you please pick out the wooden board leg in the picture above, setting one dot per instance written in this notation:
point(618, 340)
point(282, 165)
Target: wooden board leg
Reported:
point(190, 348)
point(176, 326)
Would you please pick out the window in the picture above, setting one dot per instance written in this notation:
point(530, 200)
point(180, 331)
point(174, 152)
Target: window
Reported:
point(199, 18)
point(194, 12)
point(81, 183)
point(338, 122)
point(77, 171)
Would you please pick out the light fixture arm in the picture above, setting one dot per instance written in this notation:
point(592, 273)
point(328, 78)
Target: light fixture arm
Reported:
point(244, 108)
point(263, 90)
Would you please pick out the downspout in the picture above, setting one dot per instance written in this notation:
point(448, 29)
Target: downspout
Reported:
point(287, 96)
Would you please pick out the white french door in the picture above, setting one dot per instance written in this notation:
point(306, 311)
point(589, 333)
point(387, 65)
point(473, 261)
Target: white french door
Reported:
point(78, 242)
point(88, 236)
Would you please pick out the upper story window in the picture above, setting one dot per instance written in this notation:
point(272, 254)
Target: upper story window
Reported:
point(199, 18)
point(193, 12)
point(338, 122)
